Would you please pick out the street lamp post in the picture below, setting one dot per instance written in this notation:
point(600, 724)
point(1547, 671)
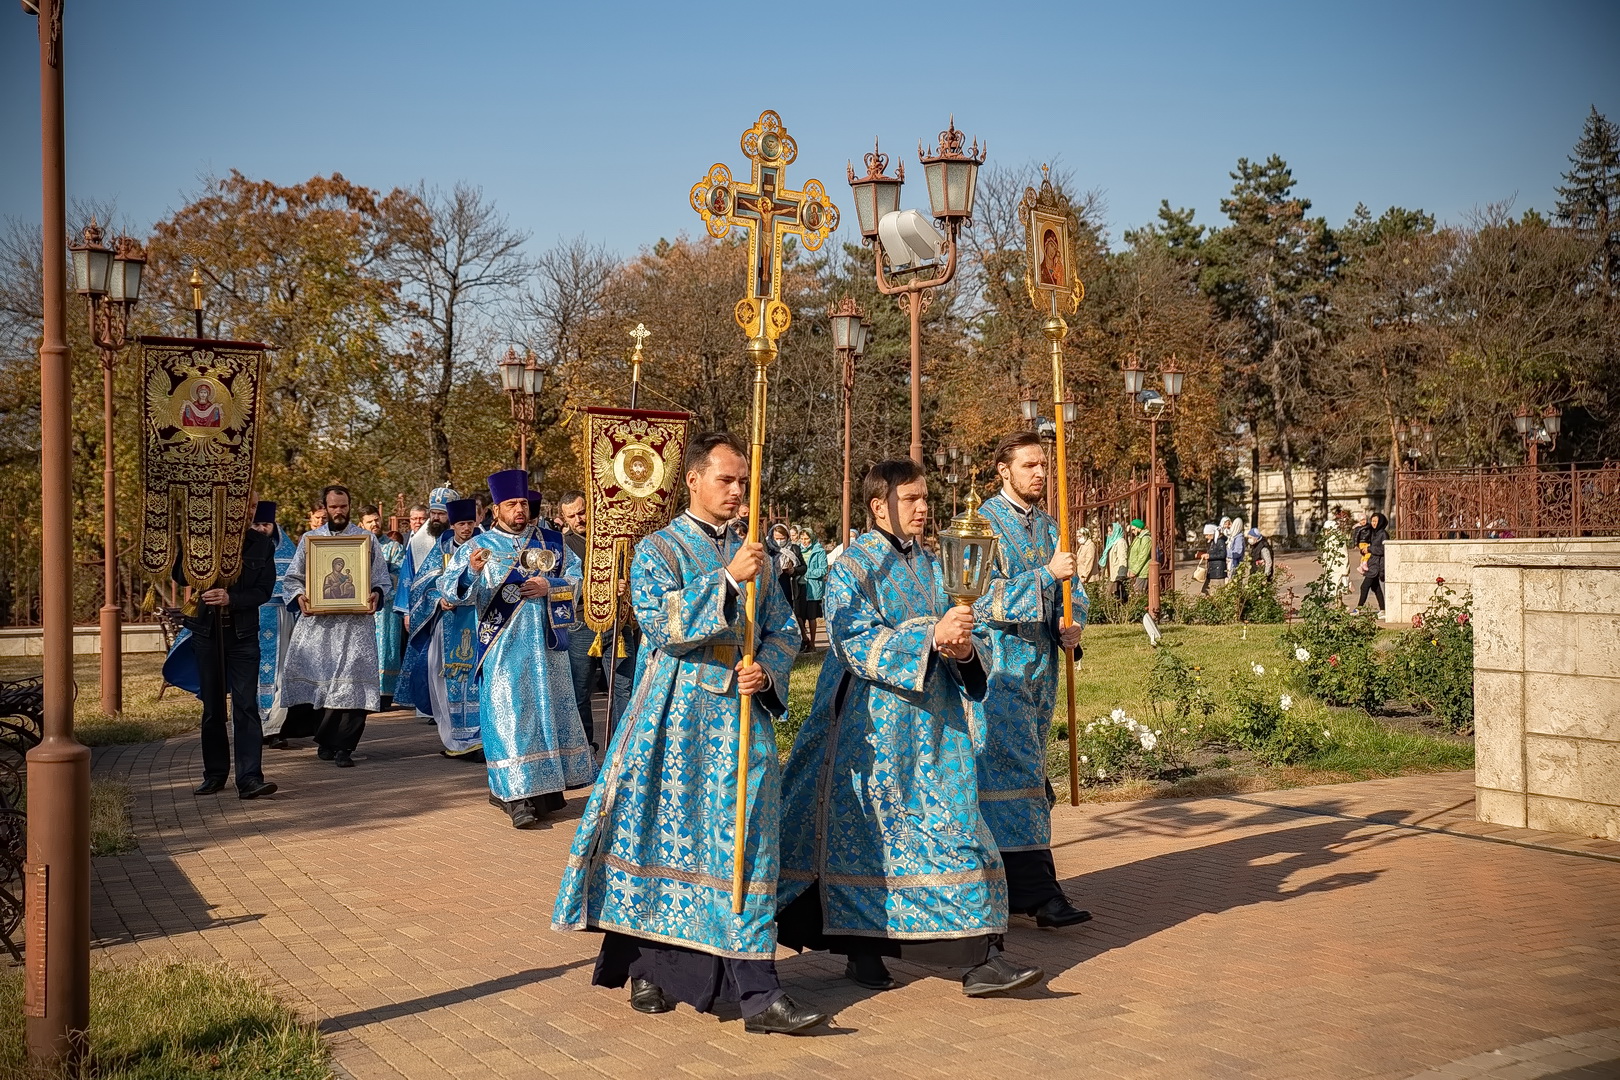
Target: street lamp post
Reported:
point(1029, 409)
point(1538, 430)
point(523, 380)
point(1156, 407)
point(850, 331)
point(56, 982)
point(109, 279)
point(906, 236)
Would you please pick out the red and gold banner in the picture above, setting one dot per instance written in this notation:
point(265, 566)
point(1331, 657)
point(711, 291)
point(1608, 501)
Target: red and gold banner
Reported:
point(632, 467)
point(199, 408)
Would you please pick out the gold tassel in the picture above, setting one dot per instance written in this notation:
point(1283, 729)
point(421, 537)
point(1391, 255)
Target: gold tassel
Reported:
point(151, 602)
point(596, 646)
point(620, 651)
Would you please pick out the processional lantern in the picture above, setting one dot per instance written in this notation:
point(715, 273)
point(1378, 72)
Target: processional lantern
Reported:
point(967, 553)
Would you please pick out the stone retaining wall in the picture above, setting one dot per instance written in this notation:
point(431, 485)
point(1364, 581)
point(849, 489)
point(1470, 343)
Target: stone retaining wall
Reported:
point(1410, 566)
point(1547, 692)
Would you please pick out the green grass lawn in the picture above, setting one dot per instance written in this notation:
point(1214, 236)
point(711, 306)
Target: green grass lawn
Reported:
point(1114, 674)
point(145, 717)
point(184, 1021)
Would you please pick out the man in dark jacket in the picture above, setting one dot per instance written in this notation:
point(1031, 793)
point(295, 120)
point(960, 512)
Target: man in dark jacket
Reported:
point(225, 636)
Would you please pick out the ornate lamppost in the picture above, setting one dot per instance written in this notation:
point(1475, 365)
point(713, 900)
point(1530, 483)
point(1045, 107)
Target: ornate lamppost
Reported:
point(850, 332)
point(56, 980)
point(923, 259)
point(109, 279)
point(1538, 430)
point(945, 459)
point(1029, 408)
point(523, 380)
point(1415, 439)
point(1156, 408)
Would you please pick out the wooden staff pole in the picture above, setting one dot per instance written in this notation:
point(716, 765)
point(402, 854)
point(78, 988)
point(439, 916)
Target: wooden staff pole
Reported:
point(762, 350)
point(1056, 330)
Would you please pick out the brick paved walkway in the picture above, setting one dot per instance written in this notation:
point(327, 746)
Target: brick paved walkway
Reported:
point(1285, 934)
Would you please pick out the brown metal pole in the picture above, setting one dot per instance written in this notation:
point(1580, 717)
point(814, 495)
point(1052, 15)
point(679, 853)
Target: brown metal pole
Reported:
point(112, 613)
point(914, 303)
point(849, 381)
point(1153, 517)
point(56, 995)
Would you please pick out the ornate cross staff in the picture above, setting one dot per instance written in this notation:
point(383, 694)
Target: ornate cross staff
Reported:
point(641, 334)
point(770, 211)
point(1054, 287)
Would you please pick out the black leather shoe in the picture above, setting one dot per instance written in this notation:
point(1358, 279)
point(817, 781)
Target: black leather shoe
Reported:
point(276, 742)
point(783, 1018)
point(645, 997)
point(208, 787)
point(253, 791)
point(343, 760)
point(325, 753)
point(869, 972)
point(998, 975)
point(1059, 912)
point(524, 817)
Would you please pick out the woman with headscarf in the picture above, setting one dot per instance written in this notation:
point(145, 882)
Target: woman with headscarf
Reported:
point(1213, 557)
point(1085, 555)
point(1236, 547)
point(786, 559)
point(1260, 552)
point(808, 609)
point(1370, 538)
point(1141, 554)
point(1115, 559)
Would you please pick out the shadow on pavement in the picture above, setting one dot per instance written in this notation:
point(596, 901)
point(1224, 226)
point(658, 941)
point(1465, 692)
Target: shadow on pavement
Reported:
point(444, 998)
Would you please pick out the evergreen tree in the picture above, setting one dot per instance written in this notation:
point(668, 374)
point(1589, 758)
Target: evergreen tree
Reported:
point(1589, 199)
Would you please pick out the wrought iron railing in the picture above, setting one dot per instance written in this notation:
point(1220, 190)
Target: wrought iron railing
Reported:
point(21, 714)
point(1500, 503)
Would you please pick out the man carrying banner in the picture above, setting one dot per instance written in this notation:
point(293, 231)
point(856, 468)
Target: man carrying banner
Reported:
point(450, 631)
point(412, 685)
point(276, 621)
point(521, 580)
point(1023, 611)
point(651, 862)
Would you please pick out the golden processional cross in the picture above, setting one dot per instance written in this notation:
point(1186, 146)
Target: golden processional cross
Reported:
point(770, 211)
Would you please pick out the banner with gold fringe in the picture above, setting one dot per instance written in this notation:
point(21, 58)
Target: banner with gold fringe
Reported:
point(632, 467)
point(199, 412)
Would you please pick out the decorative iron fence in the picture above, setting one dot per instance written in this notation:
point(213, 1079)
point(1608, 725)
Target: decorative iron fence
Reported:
point(1498, 503)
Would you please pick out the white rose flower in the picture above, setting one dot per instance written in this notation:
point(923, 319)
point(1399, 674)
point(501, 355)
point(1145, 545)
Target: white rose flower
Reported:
point(1101, 775)
point(1117, 715)
point(1084, 760)
point(1302, 655)
point(1285, 702)
point(1149, 740)
point(1256, 668)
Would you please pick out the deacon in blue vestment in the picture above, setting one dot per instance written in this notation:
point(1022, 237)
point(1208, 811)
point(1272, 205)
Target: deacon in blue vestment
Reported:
point(521, 581)
point(390, 623)
point(884, 849)
point(412, 685)
point(652, 859)
point(276, 621)
point(1023, 611)
point(450, 628)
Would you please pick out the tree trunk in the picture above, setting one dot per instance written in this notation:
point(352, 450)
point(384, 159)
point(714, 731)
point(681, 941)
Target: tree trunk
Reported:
point(439, 401)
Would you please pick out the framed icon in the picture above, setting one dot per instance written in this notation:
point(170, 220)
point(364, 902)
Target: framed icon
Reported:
point(337, 574)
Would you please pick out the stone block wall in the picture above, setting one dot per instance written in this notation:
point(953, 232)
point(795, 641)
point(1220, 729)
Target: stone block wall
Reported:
point(1547, 692)
point(1410, 566)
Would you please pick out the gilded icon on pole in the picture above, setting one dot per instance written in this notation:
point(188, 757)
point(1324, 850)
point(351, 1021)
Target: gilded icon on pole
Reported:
point(1049, 225)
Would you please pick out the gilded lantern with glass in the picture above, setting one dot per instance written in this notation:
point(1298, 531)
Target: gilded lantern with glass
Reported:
point(967, 554)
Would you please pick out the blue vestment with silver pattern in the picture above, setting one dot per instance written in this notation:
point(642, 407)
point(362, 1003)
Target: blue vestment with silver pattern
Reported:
point(880, 799)
point(653, 853)
point(443, 641)
point(1022, 610)
point(390, 632)
point(533, 740)
point(275, 625)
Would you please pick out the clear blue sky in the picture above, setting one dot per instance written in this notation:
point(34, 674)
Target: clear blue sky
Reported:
point(596, 117)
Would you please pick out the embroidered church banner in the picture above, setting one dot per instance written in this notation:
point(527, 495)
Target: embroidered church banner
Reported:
point(632, 467)
point(199, 407)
